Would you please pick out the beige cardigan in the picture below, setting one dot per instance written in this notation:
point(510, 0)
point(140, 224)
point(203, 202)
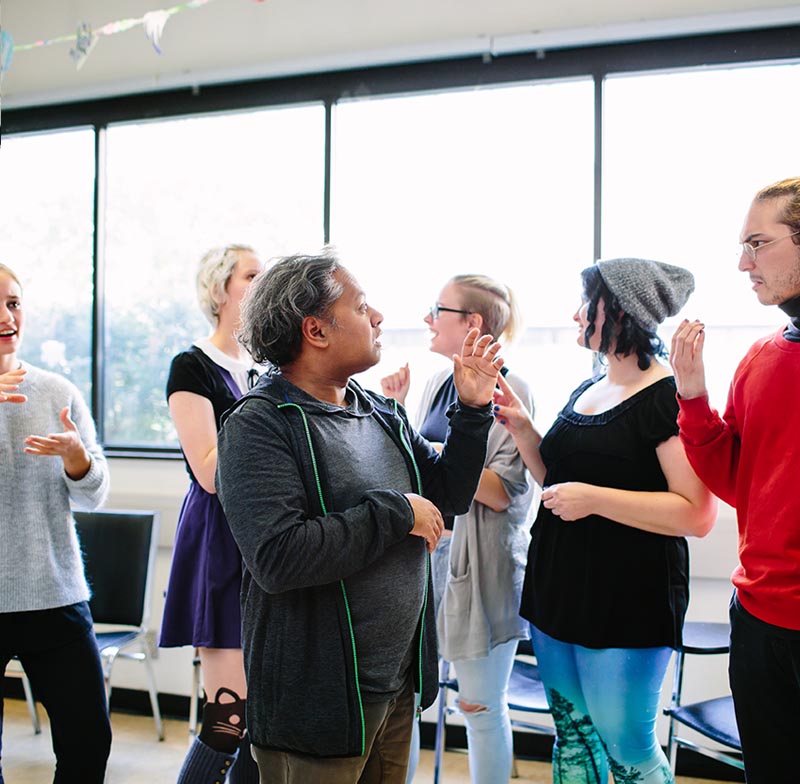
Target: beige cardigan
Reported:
point(488, 550)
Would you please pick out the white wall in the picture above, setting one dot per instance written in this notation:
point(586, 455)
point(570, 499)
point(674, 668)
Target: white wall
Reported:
point(161, 484)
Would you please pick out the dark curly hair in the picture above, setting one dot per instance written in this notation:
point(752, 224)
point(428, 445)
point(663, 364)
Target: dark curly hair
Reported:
point(619, 329)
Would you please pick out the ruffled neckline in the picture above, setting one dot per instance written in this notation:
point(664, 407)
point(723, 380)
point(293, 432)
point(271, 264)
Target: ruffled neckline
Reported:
point(603, 417)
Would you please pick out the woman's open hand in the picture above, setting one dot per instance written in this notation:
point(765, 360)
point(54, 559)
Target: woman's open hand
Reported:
point(67, 445)
point(9, 384)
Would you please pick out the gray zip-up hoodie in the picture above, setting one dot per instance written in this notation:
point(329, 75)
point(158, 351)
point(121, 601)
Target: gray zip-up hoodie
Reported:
point(301, 653)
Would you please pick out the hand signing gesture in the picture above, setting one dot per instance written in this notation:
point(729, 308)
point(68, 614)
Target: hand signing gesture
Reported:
point(67, 445)
point(511, 413)
point(686, 358)
point(509, 410)
point(475, 371)
point(397, 384)
point(9, 384)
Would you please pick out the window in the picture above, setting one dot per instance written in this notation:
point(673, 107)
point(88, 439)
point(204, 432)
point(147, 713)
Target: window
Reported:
point(46, 233)
point(497, 181)
point(420, 171)
point(175, 189)
point(684, 153)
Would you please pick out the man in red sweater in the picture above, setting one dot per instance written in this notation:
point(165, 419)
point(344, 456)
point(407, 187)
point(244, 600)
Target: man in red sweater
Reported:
point(750, 458)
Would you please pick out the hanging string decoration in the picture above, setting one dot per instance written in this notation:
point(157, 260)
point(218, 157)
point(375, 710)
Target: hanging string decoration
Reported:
point(85, 38)
point(154, 26)
point(6, 50)
point(85, 41)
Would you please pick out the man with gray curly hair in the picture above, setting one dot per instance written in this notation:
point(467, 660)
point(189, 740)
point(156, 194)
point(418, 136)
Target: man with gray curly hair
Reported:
point(335, 503)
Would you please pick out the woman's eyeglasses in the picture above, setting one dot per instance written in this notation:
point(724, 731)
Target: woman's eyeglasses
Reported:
point(436, 309)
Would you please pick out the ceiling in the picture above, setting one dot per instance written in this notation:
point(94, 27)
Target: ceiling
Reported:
point(223, 40)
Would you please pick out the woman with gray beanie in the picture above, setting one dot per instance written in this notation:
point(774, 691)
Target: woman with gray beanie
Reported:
point(607, 580)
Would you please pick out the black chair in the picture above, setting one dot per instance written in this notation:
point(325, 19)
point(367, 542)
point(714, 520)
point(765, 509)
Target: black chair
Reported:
point(16, 670)
point(119, 553)
point(196, 695)
point(526, 694)
point(713, 719)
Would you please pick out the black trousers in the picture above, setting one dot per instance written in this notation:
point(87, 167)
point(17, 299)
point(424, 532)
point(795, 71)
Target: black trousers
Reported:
point(764, 673)
point(58, 651)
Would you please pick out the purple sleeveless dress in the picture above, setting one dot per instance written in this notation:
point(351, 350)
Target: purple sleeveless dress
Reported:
point(202, 602)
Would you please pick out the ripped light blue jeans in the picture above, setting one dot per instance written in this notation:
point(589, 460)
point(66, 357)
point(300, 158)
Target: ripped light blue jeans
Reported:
point(483, 683)
point(605, 704)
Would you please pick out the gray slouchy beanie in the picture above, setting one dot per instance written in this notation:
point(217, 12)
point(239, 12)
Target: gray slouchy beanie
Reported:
point(648, 291)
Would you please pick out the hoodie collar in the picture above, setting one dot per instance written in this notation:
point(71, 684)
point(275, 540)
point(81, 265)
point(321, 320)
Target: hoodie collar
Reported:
point(281, 390)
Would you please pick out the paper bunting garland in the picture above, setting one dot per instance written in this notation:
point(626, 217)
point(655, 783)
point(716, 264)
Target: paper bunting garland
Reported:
point(85, 39)
point(154, 26)
point(6, 50)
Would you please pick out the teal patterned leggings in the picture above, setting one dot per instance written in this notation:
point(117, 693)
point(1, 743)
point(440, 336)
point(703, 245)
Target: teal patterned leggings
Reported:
point(604, 703)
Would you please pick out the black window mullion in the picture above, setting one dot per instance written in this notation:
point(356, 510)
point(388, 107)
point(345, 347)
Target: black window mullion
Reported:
point(599, 80)
point(326, 202)
point(98, 284)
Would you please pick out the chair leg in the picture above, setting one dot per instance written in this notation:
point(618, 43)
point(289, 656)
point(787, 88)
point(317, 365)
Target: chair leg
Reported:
point(32, 709)
point(107, 659)
point(514, 771)
point(438, 749)
point(151, 685)
point(677, 687)
point(194, 698)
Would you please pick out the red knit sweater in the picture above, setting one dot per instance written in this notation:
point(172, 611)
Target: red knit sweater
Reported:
point(750, 458)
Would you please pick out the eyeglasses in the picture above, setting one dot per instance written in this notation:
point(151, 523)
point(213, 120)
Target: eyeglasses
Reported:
point(751, 250)
point(436, 309)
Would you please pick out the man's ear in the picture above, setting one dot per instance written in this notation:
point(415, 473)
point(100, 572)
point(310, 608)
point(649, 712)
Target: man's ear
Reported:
point(315, 331)
point(475, 320)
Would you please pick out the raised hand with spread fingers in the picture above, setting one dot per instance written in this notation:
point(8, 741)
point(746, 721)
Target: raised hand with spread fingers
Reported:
point(475, 370)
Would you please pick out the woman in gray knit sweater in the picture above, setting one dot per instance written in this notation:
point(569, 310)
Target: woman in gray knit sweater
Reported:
point(49, 457)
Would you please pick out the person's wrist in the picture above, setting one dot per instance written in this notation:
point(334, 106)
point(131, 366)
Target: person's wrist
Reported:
point(692, 394)
point(77, 465)
point(476, 405)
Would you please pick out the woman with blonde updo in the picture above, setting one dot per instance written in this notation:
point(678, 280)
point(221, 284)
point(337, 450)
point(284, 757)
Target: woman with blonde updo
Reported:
point(478, 588)
point(202, 604)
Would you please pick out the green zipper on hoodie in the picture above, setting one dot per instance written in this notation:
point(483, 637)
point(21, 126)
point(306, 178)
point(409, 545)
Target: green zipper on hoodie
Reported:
point(427, 561)
point(324, 508)
point(341, 582)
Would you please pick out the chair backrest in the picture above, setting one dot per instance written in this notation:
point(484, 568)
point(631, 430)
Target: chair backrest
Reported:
point(119, 553)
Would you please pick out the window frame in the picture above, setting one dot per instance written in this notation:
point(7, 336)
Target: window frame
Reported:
point(745, 47)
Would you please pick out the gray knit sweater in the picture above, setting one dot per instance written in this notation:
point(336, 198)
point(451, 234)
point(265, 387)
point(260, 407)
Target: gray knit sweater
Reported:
point(40, 561)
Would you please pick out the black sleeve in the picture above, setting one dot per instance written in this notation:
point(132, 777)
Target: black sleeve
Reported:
point(451, 478)
point(187, 373)
point(658, 420)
